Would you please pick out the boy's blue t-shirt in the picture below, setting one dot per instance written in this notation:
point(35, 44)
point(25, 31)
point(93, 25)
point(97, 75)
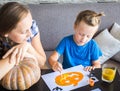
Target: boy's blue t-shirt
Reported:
point(75, 55)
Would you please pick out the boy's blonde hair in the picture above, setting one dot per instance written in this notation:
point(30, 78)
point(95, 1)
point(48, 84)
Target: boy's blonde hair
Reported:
point(89, 17)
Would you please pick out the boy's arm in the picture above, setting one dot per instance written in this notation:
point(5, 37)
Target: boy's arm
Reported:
point(53, 61)
point(53, 58)
point(96, 64)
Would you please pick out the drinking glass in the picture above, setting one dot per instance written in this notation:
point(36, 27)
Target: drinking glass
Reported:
point(108, 73)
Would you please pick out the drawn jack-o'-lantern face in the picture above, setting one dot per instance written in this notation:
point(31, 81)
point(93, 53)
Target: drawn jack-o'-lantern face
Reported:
point(71, 78)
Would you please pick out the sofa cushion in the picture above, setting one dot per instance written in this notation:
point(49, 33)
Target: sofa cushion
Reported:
point(116, 57)
point(108, 44)
point(115, 31)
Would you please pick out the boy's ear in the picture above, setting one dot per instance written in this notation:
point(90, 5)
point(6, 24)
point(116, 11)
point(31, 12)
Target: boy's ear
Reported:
point(75, 26)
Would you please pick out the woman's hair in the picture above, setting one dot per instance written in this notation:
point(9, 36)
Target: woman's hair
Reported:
point(89, 17)
point(10, 14)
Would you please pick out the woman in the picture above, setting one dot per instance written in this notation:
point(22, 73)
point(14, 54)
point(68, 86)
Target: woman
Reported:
point(19, 37)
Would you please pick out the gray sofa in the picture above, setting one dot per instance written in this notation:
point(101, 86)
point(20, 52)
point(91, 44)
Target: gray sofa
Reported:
point(56, 21)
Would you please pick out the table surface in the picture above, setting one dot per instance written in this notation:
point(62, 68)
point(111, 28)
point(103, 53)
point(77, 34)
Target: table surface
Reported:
point(114, 86)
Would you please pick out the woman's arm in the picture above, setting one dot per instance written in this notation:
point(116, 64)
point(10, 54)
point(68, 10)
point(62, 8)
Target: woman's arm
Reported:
point(5, 66)
point(37, 50)
point(34, 48)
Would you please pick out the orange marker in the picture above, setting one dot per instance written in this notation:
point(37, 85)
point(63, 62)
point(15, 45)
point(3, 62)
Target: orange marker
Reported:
point(91, 82)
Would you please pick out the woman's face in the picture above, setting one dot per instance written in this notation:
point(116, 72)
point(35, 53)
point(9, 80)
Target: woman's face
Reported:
point(22, 31)
point(84, 33)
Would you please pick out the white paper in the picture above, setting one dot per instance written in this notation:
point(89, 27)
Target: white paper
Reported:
point(50, 79)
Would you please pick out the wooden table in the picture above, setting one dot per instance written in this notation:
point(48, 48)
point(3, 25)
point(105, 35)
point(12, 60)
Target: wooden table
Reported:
point(114, 86)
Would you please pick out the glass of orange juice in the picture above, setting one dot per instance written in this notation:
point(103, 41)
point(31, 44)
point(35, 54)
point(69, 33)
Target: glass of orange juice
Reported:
point(108, 73)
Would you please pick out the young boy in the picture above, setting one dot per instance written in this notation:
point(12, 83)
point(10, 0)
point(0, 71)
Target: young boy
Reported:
point(79, 48)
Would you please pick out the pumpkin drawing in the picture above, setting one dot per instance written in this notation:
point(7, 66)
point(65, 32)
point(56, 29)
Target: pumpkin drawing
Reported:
point(70, 78)
point(22, 76)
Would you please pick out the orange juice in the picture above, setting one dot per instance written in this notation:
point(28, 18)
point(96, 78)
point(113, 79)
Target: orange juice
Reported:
point(108, 74)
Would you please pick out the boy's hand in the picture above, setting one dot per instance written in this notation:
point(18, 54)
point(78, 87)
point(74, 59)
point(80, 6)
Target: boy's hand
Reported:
point(89, 68)
point(57, 66)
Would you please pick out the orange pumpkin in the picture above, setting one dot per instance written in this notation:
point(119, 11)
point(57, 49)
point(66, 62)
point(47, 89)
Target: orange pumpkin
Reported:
point(22, 76)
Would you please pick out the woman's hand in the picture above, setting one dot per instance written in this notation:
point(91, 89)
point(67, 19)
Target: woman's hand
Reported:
point(57, 66)
point(17, 51)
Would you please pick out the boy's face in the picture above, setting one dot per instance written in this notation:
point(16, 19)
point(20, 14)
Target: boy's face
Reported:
point(84, 33)
point(22, 31)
